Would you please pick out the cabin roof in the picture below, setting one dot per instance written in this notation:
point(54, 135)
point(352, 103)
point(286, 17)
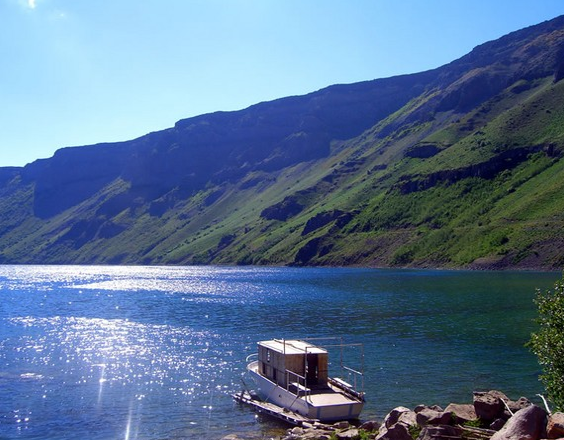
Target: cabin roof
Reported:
point(292, 346)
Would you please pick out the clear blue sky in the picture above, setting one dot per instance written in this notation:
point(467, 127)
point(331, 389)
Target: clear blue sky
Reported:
point(78, 72)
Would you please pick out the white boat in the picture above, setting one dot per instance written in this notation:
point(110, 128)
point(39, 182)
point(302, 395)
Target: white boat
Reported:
point(294, 375)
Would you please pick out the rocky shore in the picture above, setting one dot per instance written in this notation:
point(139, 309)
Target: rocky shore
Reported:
point(491, 415)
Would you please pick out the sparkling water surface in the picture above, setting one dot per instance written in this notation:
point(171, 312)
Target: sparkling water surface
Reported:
point(103, 352)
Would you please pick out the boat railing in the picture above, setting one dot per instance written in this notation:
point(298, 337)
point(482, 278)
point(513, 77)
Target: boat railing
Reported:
point(348, 388)
point(352, 380)
point(297, 381)
point(357, 376)
point(251, 356)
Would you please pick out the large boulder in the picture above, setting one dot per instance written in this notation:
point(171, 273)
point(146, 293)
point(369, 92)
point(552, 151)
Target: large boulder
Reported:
point(489, 405)
point(399, 431)
point(527, 424)
point(408, 418)
point(428, 416)
point(397, 424)
point(394, 415)
point(517, 405)
point(462, 413)
point(555, 426)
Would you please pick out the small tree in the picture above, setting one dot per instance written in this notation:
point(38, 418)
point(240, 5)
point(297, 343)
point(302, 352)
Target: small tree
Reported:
point(548, 342)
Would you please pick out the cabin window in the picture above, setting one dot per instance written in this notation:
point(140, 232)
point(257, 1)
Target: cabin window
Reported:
point(267, 355)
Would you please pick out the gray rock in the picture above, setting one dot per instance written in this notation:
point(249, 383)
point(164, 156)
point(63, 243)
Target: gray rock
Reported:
point(511, 407)
point(428, 416)
point(348, 434)
point(297, 430)
point(342, 425)
point(527, 424)
point(440, 432)
point(396, 424)
point(462, 413)
point(420, 408)
point(394, 415)
point(515, 406)
point(316, 435)
point(313, 433)
point(398, 431)
point(370, 426)
point(555, 426)
point(497, 424)
point(408, 418)
point(489, 405)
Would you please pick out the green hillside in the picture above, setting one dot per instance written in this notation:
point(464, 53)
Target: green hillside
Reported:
point(457, 167)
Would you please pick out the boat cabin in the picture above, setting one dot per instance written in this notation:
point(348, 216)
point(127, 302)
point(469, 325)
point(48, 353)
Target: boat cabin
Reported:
point(293, 363)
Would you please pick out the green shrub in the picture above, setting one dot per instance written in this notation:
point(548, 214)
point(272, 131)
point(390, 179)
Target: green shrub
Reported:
point(414, 431)
point(548, 342)
point(476, 423)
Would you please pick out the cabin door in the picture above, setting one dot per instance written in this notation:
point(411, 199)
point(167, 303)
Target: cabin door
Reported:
point(312, 373)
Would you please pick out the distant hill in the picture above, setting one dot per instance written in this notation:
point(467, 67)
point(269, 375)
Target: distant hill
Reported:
point(459, 166)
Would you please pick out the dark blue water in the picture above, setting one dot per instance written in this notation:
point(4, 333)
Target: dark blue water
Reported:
point(155, 352)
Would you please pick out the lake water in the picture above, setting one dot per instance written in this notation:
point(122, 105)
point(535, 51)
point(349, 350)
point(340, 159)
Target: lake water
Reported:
point(155, 352)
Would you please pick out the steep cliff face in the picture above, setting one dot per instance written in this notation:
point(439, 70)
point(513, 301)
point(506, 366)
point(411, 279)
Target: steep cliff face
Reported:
point(381, 172)
point(219, 146)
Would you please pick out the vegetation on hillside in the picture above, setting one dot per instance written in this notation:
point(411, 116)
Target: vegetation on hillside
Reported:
point(455, 167)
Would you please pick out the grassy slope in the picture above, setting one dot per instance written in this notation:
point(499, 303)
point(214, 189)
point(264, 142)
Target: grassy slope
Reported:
point(504, 220)
point(513, 219)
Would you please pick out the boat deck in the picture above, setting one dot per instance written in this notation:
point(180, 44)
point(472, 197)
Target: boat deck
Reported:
point(327, 395)
point(325, 399)
point(272, 409)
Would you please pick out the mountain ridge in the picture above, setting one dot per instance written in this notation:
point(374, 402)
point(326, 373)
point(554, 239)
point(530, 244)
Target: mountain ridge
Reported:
point(336, 177)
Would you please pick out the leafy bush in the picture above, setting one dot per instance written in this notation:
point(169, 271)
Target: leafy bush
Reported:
point(548, 342)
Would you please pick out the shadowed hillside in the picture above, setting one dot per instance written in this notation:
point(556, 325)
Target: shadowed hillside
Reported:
point(454, 167)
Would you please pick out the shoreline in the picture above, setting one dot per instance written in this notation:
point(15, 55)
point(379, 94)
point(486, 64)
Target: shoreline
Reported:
point(491, 415)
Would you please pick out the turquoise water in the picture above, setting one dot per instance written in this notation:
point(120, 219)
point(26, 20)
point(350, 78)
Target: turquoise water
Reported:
point(155, 352)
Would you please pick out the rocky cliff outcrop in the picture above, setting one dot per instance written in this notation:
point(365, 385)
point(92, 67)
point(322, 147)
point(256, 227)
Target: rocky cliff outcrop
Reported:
point(488, 169)
point(216, 147)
